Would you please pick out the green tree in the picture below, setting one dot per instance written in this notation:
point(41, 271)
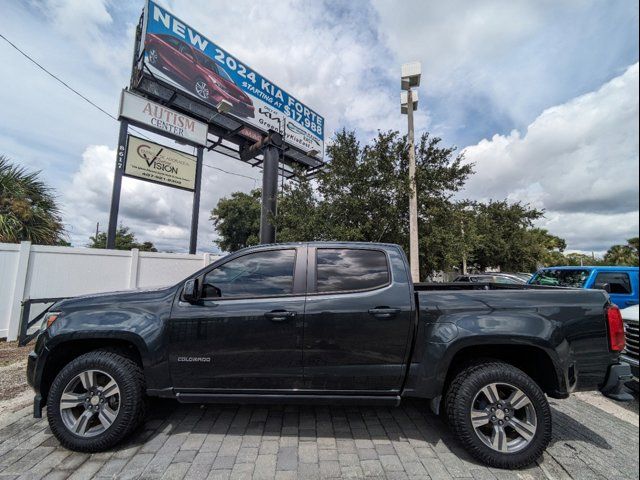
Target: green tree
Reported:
point(237, 220)
point(125, 240)
point(623, 254)
point(28, 209)
point(363, 195)
point(580, 259)
point(507, 239)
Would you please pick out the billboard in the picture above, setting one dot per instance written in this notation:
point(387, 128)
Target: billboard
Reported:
point(180, 56)
point(156, 163)
point(162, 119)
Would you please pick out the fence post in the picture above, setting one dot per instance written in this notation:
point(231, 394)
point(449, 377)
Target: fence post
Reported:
point(133, 272)
point(206, 259)
point(19, 288)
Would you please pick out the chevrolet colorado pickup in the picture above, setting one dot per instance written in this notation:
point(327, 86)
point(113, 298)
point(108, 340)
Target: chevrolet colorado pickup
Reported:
point(329, 323)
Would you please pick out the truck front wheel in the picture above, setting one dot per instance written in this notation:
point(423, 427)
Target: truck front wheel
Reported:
point(499, 414)
point(96, 401)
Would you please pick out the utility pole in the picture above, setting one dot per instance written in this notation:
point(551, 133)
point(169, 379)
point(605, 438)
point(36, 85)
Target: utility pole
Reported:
point(411, 78)
point(464, 251)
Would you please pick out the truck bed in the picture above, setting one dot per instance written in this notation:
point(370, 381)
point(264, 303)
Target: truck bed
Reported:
point(566, 320)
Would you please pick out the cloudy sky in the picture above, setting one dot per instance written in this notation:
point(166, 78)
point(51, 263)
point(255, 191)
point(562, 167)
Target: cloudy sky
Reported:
point(541, 95)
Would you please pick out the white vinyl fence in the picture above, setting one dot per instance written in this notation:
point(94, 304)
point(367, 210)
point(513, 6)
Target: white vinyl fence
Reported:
point(36, 271)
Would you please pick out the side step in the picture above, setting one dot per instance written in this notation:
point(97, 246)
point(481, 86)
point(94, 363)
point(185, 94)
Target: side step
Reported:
point(277, 399)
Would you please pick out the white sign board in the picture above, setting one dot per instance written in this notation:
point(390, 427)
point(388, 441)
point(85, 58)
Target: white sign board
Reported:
point(159, 164)
point(162, 119)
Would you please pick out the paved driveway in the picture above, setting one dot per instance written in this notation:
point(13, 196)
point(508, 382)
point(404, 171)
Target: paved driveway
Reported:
point(192, 441)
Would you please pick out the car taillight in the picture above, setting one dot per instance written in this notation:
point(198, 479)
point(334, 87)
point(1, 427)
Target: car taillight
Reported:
point(616, 329)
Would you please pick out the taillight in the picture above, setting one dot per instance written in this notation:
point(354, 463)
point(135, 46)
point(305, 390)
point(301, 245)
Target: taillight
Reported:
point(616, 329)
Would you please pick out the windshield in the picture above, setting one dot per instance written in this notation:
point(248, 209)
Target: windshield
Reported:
point(211, 65)
point(561, 278)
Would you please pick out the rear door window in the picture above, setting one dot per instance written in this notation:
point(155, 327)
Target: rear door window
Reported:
point(618, 281)
point(343, 270)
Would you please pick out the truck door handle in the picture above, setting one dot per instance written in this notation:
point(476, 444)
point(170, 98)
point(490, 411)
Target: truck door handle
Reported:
point(279, 315)
point(384, 312)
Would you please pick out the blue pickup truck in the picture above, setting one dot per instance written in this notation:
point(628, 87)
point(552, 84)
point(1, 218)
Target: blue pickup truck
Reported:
point(620, 282)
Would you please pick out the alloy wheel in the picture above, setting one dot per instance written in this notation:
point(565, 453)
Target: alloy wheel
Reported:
point(503, 417)
point(202, 89)
point(90, 403)
point(152, 56)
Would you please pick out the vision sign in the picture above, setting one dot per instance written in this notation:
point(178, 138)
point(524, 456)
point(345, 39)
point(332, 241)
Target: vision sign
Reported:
point(182, 57)
point(159, 164)
point(162, 119)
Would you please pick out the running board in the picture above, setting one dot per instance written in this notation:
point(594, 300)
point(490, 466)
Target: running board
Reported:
point(272, 399)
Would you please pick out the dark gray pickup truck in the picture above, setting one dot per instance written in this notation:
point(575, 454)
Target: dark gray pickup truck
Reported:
point(328, 323)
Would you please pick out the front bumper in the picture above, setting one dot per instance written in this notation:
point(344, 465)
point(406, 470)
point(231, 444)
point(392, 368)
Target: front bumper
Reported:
point(35, 367)
point(617, 376)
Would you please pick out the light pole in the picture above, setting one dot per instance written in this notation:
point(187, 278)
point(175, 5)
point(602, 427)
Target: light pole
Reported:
point(408, 103)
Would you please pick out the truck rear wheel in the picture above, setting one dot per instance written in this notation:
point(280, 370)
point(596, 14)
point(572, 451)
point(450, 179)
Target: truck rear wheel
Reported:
point(499, 414)
point(96, 401)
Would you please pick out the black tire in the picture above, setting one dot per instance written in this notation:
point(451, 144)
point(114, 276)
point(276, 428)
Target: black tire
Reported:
point(459, 399)
point(130, 381)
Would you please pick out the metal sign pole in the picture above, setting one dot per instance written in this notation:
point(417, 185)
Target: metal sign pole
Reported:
point(193, 240)
point(269, 193)
point(117, 184)
point(414, 256)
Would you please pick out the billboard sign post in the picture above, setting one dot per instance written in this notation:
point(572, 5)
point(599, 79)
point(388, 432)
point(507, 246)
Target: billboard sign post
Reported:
point(187, 88)
point(117, 184)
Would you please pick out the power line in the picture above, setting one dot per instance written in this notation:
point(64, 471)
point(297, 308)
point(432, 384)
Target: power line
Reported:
point(83, 97)
point(55, 77)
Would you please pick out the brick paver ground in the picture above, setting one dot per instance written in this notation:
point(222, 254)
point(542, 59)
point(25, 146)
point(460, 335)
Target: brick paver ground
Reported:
point(289, 442)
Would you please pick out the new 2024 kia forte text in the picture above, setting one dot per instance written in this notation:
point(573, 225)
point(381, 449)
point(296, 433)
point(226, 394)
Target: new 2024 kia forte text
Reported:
point(196, 72)
point(329, 323)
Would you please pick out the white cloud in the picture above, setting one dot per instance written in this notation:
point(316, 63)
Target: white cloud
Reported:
point(506, 61)
point(578, 160)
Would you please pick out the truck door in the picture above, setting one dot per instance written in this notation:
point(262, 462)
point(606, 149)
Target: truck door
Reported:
point(246, 332)
point(357, 320)
point(624, 291)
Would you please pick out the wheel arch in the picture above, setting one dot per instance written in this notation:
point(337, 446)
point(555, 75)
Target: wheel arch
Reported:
point(67, 349)
point(532, 359)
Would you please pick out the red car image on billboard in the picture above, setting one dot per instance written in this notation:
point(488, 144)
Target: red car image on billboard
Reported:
point(196, 72)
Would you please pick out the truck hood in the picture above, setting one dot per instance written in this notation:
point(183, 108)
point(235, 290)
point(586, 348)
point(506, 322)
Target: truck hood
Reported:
point(137, 294)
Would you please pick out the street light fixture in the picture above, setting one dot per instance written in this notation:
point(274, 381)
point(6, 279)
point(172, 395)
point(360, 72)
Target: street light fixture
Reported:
point(410, 77)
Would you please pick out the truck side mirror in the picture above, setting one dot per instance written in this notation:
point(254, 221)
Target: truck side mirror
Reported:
point(190, 291)
point(603, 286)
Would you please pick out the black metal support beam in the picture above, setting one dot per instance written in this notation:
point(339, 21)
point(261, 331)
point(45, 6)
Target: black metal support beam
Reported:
point(117, 184)
point(193, 239)
point(269, 193)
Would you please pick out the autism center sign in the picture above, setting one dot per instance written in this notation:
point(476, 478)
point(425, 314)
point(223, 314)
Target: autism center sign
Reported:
point(162, 119)
point(182, 57)
point(158, 164)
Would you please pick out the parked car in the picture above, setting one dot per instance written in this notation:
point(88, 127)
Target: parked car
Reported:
point(630, 315)
point(524, 276)
point(196, 72)
point(332, 323)
point(620, 282)
point(491, 278)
